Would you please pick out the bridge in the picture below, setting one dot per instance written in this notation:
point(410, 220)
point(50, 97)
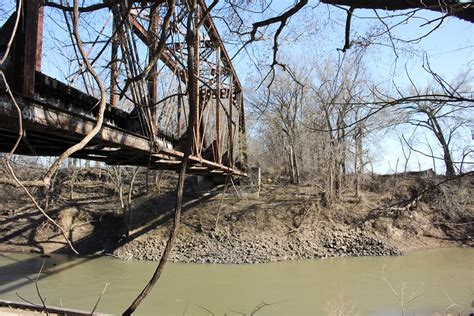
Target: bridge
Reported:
point(145, 120)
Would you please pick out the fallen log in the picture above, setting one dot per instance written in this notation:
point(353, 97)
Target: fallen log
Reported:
point(42, 309)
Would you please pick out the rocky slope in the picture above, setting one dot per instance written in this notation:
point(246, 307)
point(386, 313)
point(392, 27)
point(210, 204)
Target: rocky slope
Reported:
point(234, 248)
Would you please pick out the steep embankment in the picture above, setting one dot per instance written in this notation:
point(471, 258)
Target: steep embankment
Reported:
point(285, 222)
point(289, 222)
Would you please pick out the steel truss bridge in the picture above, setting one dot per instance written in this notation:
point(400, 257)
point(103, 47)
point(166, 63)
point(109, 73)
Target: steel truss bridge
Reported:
point(146, 119)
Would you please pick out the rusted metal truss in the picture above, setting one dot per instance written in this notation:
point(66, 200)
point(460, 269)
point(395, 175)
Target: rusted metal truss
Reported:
point(144, 125)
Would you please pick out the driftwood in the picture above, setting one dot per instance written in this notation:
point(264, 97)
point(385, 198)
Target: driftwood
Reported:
point(49, 309)
point(12, 183)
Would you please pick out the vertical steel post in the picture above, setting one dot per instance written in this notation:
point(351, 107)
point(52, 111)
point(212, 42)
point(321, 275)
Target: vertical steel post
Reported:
point(113, 61)
point(39, 38)
point(197, 119)
point(229, 122)
point(153, 76)
point(242, 132)
point(27, 48)
point(178, 127)
point(217, 150)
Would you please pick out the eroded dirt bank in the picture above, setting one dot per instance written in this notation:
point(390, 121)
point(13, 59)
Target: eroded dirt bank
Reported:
point(285, 222)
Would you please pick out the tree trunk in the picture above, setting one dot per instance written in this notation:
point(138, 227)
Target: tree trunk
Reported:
point(192, 99)
point(448, 161)
point(290, 165)
point(357, 166)
point(296, 167)
point(293, 164)
point(127, 216)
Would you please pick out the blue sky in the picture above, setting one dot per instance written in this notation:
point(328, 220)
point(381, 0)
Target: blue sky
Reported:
point(315, 34)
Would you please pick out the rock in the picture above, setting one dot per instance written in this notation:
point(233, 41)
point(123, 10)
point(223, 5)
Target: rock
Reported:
point(221, 247)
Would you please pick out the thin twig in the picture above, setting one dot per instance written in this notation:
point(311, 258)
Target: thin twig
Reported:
point(43, 301)
point(100, 297)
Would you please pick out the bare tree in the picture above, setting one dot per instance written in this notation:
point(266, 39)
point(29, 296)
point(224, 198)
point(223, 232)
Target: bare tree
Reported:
point(341, 100)
point(444, 120)
point(282, 109)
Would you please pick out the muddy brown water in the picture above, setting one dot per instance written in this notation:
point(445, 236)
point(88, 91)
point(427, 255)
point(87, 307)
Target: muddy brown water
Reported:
point(441, 281)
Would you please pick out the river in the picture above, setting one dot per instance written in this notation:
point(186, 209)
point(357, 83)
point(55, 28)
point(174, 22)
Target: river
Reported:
point(440, 280)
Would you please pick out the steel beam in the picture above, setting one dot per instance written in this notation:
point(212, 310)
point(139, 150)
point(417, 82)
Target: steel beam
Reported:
point(27, 49)
point(217, 149)
point(153, 76)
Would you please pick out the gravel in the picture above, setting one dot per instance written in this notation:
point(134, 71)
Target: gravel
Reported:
point(233, 248)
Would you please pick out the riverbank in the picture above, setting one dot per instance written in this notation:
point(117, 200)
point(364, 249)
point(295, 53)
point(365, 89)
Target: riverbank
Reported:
point(289, 223)
point(235, 248)
point(285, 222)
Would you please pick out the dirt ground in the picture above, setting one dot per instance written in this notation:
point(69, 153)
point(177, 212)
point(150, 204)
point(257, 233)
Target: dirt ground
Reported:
point(392, 215)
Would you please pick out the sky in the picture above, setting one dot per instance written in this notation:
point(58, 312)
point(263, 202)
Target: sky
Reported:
point(316, 33)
